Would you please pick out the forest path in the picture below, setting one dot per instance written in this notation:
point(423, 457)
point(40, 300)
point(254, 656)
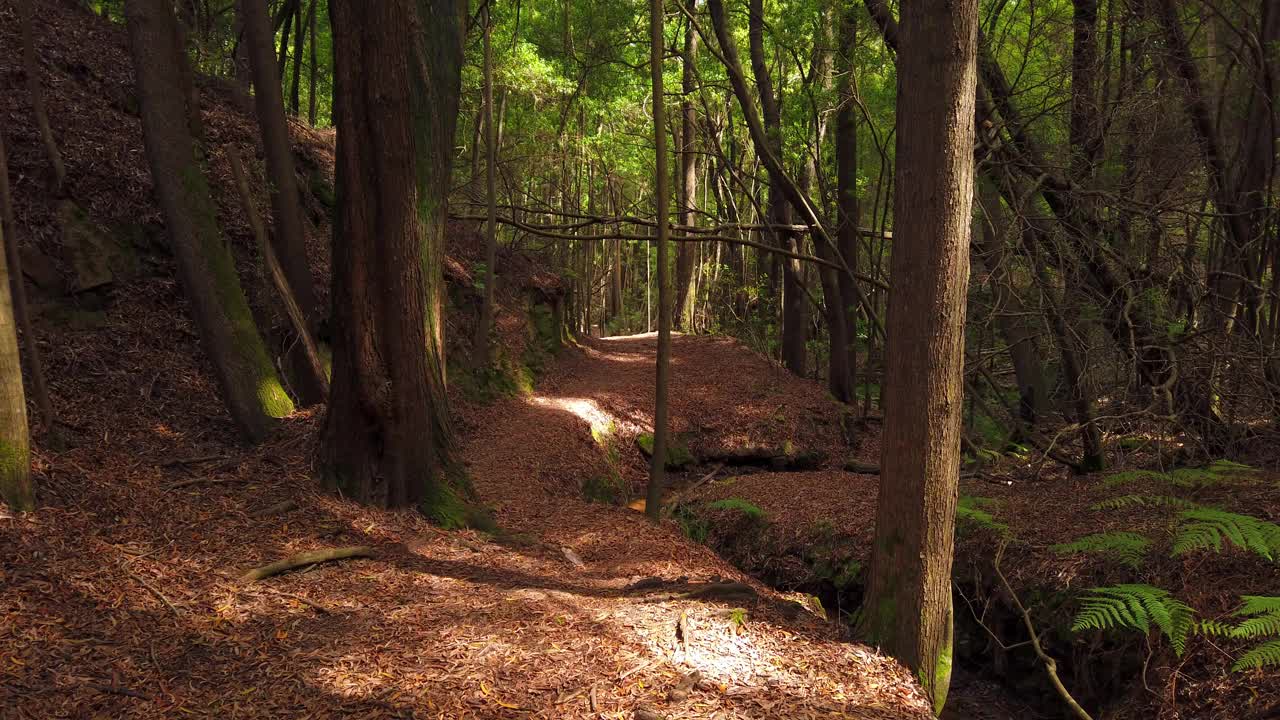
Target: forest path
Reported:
point(120, 597)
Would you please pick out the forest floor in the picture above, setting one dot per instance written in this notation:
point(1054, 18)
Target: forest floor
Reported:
point(120, 596)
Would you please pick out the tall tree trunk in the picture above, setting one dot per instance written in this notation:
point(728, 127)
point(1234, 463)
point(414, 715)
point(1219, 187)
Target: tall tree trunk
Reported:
point(290, 9)
point(16, 487)
point(241, 365)
point(685, 298)
point(847, 189)
point(31, 67)
point(311, 82)
point(288, 229)
point(661, 199)
point(908, 610)
point(483, 327)
point(1011, 316)
point(397, 73)
point(21, 311)
point(793, 301)
point(299, 44)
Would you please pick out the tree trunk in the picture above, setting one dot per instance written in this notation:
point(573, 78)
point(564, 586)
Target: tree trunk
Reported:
point(907, 609)
point(31, 67)
point(241, 365)
point(661, 198)
point(685, 297)
point(1011, 316)
point(21, 311)
point(847, 190)
point(288, 229)
point(311, 83)
point(299, 44)
point(481, 348)
point(291, 8)
point(16, 488)
point(397, 73)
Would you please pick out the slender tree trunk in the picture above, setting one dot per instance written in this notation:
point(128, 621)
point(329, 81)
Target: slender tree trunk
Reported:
point(299, 44)
point(847, 190)
point(661, 199)
point(31, 67)
point(397, 73)
point(908, 610)
point(793, 302)
point(288, 228)
point(685, 298)
point(241, 365)
point(311, 84)
point(483, 327)
point(291, 8)
point(18, 290)
point(1011, 315)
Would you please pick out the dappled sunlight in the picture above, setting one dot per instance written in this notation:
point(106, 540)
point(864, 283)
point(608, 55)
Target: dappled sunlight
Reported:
point(583, 408)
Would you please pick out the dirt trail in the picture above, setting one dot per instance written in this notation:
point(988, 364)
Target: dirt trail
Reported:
point(118, 597)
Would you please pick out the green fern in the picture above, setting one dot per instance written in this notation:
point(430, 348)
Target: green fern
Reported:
point(1136, 607)
point(1128, 476)
point(970, 510)
point(1205, 528)
point(1215, 473)
point(1127, 501)
point(1263, 621)
point(1127, 547)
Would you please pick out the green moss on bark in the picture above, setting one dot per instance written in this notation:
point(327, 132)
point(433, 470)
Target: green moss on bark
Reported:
point(15, 476)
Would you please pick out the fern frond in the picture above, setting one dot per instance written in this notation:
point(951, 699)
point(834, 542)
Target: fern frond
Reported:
point(1205, 528)
point(969, 509)
point(1128, 501)
point(1264, 655)
point(1258, 604)
point(1137, 607)
point(1216, 628)
point(1128, 476)
point(1127, 547)
point(1258, 627)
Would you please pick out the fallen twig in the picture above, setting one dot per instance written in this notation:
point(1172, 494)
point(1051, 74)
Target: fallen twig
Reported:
point(191, 460)
point(309, 603)
point(1050, 666)
point(277, 509)
point(680, 496)
point(157, 593)
point(307, 558)
point(211, 481)
point(119, 691)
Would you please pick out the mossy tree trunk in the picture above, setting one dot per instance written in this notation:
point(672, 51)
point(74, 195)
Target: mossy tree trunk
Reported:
point(397, 66)
point(908, 610)
point(248, 381)
point(16, 488)
point(288, 231)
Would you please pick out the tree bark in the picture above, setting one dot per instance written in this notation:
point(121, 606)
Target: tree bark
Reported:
point(290, 8)
point(288, 236)
point(847, 191)
point(907, 609)
point(16, 487)
point(248, 381)
point(661, 198)
point(397, 73)
point(685, 297)
point(481, 347)
point(311, 84)
point(21, 311)
point(299, 45)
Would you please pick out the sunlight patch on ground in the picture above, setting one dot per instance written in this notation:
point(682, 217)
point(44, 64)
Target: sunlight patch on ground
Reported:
point(583, 408)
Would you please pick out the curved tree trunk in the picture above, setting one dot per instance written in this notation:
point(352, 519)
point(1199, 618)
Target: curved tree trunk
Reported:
point(288, 230)
point(250, 387)
point(907, 609)
point(386, 433)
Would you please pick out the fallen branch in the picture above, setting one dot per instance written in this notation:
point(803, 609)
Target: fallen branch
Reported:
point(680, 496)
point(855, 466)
point(212, 481)
point(157, 593)
point(281, 507)
point(113, 690)
point(1050, 666)
point(774, 458)
point(313, 557)
point(191, 460)
point(309, 603)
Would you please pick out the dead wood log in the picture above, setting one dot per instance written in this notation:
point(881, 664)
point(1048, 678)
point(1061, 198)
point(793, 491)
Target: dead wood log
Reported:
point(313, 557)
point(855, 466)
point(680, 496)
point(777, 459)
